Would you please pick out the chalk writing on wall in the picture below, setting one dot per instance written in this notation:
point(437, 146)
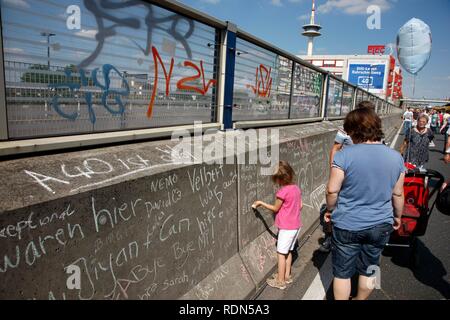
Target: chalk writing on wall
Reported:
point(139, 244)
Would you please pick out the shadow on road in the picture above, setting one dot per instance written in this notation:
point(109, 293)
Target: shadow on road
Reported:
point(426, 267)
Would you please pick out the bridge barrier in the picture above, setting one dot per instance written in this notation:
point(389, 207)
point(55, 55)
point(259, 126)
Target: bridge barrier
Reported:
point(135, 223)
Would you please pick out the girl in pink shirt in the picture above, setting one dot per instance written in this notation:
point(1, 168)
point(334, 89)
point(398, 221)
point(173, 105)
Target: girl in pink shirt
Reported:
point(287, 207)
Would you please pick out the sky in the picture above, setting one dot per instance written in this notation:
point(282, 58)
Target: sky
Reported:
point(344, 30)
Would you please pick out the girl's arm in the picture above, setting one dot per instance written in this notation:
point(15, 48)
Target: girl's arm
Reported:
point(274, 208)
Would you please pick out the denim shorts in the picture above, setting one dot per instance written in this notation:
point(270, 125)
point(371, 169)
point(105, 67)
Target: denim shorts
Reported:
point(356, 251)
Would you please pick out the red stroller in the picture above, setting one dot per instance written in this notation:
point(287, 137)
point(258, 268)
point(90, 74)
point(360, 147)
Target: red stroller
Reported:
point(419, 188)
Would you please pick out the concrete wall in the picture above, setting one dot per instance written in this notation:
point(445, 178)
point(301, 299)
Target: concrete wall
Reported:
point(142, 226)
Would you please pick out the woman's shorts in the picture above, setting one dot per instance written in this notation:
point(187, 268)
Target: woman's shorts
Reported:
point(358, 251)
point(286, 240)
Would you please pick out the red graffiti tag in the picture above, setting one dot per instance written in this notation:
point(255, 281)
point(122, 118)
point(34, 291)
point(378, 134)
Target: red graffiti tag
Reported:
point(182, 83)
point(263, 82)
point(156, 58)
point(200, 74)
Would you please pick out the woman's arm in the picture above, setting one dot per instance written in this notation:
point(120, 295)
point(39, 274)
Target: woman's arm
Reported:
point(398, 201)
point(447, 147)
point(404, 146)
point(274, 208)
point(430, 135)
point(334, 187)
point(335, 148)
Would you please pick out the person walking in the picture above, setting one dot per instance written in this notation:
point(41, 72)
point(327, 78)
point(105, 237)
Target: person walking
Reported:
point(341, 140)
point(415, 148)
point(435, 122)
point(407, 121)
point(447, 147)
point(445, 126)
point(441, 118)
point(364, 203)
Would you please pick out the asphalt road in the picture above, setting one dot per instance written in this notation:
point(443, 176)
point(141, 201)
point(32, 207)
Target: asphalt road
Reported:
point(429, 278)
point(400, 278)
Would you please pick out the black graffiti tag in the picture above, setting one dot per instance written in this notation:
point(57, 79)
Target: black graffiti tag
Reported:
point(101, 9)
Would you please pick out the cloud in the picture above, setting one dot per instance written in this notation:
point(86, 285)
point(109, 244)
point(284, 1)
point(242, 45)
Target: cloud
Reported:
point(353, 7)
point(18, 3)
point(276, 3)
point(304, 17)
point(210, 1)
point(14, 50)
point(279, 3)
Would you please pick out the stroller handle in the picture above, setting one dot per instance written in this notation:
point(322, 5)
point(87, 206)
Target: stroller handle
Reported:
point(431, 174)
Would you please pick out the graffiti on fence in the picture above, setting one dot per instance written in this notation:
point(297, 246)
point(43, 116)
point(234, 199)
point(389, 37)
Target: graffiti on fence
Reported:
point(76, 83)
point(263, 82)
point(182, 84)
point(307, 81)
point(103, 16)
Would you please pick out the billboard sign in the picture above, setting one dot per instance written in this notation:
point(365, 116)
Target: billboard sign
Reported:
point(369, 76)
point(376, 49)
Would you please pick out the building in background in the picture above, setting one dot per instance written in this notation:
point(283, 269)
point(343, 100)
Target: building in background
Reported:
point(375, 72)
point(397, 85)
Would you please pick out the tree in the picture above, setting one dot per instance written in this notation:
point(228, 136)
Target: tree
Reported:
point(39, 73)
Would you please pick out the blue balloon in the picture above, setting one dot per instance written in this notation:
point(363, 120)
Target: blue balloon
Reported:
point(414, 45)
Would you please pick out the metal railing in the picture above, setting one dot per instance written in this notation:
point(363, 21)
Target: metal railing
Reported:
point(183, 66)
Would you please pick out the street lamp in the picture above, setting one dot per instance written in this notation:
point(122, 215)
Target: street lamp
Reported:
point(48, 35)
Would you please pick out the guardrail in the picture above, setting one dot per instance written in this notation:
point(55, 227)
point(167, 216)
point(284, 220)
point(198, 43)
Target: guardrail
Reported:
point(140, 69)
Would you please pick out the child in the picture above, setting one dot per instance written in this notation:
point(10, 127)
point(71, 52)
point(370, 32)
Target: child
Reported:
point(287, 207)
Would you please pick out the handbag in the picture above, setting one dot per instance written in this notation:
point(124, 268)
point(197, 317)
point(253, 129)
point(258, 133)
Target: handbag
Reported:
point(443, 201)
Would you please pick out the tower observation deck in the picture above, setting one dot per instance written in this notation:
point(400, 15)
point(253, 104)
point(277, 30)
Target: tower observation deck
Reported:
point(311, 30)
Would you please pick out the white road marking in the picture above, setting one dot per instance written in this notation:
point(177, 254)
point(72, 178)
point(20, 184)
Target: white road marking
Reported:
point(394, 142)
point(319, 286)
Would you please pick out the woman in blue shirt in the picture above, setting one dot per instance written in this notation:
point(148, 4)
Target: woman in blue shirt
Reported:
point(364, 202)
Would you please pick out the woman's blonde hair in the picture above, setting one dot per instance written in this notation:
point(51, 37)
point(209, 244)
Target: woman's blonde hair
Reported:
point(284, 174)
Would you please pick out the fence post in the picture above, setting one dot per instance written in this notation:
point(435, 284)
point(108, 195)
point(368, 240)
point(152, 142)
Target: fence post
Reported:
point(228, 79)
point(325, 96)
point(3, 116)
point(294, 64)
point(354, 96)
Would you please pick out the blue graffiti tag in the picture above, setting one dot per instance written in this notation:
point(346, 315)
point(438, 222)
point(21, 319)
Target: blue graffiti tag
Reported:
point(107, 90)
point(105, 87)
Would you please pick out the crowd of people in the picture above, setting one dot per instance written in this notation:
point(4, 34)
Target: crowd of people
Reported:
point(420, 128)
point(364, 203)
